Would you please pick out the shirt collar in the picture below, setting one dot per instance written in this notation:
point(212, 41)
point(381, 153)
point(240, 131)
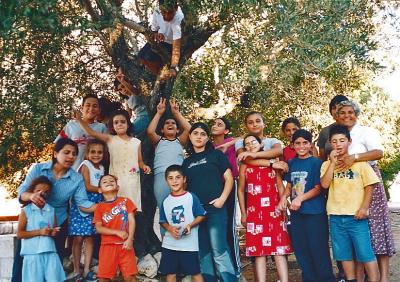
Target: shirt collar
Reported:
point(49, 166)
point(45, 208)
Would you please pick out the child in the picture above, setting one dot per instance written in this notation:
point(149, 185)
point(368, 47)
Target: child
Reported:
point(266, 232)
point(309, 222)
point(350, 194)
point(73, 130)
point(219, 131)
point(180, 214)
point(125, 161)
point(80, 227)
point(289, 127)
point(166, 22)
point(36, 226)
point(169, 146)
point(115, 222)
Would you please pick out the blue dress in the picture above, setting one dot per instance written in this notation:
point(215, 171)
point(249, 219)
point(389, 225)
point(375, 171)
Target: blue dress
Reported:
point(80, 225)
point(41, 262)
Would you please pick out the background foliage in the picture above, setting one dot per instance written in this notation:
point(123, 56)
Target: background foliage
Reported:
point(284, 58)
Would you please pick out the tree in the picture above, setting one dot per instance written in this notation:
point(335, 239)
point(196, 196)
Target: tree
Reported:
point(279, 56)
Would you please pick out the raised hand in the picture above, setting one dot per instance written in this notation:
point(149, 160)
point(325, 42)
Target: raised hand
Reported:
point(174, 106)
point(161, 107)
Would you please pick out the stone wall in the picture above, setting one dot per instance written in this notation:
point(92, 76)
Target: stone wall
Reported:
point(7, 249)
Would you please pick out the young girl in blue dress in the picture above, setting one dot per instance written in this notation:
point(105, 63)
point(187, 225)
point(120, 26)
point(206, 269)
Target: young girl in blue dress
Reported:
point(81, 228)
point(36, 227)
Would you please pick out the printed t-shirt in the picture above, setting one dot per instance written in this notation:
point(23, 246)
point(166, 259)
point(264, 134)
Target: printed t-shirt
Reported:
point(303, 175)
point(172, 29)
point(179, 211)
point(204, 172)
point(346, 191)
point(114, 215)
point(266, 142)
point(74, 131)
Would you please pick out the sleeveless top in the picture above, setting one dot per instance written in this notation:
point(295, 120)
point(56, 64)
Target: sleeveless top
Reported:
point(95, 175)
point(38, 218)
point(125, 166)
point(167, 152)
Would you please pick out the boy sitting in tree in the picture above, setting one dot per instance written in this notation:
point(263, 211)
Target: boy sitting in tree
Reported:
point(166, 23)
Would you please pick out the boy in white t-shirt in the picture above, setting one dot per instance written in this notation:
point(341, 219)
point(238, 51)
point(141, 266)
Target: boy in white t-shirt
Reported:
point(180, 214)
point(166, 23)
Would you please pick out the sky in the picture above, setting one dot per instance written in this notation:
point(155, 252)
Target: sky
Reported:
point(388, 54)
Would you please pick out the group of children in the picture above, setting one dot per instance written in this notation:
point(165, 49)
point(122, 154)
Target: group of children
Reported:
point(187, 195)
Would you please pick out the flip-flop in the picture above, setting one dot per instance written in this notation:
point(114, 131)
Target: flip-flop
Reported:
point(91, 276)
point(76, 278)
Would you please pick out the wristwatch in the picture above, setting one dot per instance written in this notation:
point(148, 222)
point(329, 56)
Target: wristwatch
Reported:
point(271, 162)
point(175, 68)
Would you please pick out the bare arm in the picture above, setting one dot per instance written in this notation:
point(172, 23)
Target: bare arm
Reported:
point(228, 184)
point(85, 126)
point(151, 129)
point(146, 169)
point(183, 123)
point(108, 231)
point(275, 152)
point(327, 178)
point(91, 209)
point(23, 234)
point(363, 211)
point(240, 192)
point(176, 52)
point(86, 178)
point(296, 203)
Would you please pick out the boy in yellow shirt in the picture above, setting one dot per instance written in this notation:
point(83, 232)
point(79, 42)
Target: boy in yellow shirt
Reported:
point(350, 194)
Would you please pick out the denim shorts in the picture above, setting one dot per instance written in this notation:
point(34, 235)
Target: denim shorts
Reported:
point(350, 239)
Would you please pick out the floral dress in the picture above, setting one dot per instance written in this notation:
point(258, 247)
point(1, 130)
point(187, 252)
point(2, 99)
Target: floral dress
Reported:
point(266, 227)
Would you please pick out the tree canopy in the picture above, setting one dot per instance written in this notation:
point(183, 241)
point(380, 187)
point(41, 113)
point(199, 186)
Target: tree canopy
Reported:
point(281, 57)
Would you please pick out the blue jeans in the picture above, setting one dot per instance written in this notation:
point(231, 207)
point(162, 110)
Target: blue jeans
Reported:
point(214, 251)
point(309, 235)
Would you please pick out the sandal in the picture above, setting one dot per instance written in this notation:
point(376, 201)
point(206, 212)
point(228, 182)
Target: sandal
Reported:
point(77, 278)
point(91, 276)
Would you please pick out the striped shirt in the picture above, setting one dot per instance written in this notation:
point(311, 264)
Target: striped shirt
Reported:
point(70, 185)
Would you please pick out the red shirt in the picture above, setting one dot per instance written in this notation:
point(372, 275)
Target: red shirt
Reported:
point(114, 215)
point(288, 153)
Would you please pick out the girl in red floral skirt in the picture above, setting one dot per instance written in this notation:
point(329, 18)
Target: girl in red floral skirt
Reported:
point(266, 232)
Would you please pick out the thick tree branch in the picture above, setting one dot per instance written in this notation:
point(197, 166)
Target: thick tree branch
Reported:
point(90, 10)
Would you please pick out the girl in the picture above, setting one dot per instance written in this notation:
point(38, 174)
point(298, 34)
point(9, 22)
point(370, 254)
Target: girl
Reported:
point(81, 228)
point(289, 127)
point(266, 227)
point(209, 177)
point(36, 225)
point(125, 161)
point(219, 130)
point(168, 146)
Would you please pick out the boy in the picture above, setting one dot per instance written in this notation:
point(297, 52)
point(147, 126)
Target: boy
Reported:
point(350, 193)
point(309, 222)
point(90, 110)
point(180, 214)
point(166, 22)
point(115, 222)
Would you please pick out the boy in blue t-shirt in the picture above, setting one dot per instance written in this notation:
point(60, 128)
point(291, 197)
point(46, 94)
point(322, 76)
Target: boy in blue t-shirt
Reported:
point(309, 222)
point(180, 215)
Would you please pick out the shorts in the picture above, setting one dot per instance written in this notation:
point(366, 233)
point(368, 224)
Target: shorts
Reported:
point(179, 262)
point(42, 267)
point(112, 257)
point(350, 239)
point(147, 54)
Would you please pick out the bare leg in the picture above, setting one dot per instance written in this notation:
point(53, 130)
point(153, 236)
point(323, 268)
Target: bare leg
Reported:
point(131, 278)
point(360, 271)
point(88, 255)
point(171, 277)
point(282, 268)
point(260, 271)
point(197, 278)
point(372, 270)
point(349, 268)
point(76, 253)
point(383, 264)
point(104, 280)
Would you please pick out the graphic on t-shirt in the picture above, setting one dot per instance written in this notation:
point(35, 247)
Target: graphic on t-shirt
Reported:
point(350, 174)
point(119, 209)
point(178, 214)
point(199, 162)
point(299, 182)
